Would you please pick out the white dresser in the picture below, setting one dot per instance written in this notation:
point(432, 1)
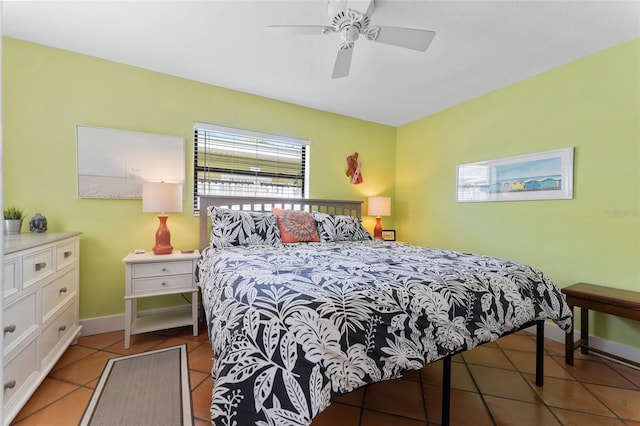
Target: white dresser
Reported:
point(40, 310)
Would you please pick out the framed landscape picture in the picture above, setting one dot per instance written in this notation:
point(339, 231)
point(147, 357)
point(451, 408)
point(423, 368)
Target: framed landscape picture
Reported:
point(544, 175)
point(113, 163)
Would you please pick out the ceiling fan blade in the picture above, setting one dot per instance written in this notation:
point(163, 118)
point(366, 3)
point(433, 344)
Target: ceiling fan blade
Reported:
point(405, 37)
point(343, 63)
point(299, 29)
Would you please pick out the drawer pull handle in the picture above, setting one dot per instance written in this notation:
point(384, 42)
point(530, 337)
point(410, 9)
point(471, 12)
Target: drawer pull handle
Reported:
point(62, 328)
point(40, 265)
point(63, 290)
point(10, 328)
point(10, 384)
point(67, 254)
point(164, 283)
point(164, 270)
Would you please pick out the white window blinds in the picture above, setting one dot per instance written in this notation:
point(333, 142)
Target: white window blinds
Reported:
point(230, 161)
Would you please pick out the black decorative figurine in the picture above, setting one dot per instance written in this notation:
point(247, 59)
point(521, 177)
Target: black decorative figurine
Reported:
point(38, 223)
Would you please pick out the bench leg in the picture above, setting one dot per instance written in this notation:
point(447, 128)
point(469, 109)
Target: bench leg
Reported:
point(584, 331)
point(568, 342)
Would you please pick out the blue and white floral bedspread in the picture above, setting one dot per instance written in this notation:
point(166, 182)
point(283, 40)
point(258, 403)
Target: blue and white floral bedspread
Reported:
point(293, 327)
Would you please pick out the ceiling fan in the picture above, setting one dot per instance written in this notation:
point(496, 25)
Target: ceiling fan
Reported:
point(350, 23)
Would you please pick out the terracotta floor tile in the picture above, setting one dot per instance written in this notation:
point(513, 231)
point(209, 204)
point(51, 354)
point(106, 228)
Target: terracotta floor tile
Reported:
point(49, 391)
point(629, 373)
point(462, 404)
point(511, 412)
point(568, 417)
point(590, 393)
point(489, 357)
point(526, 363)
point(355, 398)
point(399, 397)
point(175, 341)
point(139, 343)
point(201, 400)
point(338, 414)
point(625, 403)
point(101, 341)
point(518, 342)
point(460, 377)
point(201, 359)
point(375, 418)
point(196, 378)
point(503, 383)
point(568, 394)
point(73, 354)
point(67, 411)
point(597, 372)
point(85, 370)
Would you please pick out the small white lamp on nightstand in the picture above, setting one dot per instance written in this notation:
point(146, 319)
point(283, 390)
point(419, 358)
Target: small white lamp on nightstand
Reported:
point(379, 206)
point(162, 197)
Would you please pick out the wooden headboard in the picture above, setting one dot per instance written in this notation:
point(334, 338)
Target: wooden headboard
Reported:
point(347, 208)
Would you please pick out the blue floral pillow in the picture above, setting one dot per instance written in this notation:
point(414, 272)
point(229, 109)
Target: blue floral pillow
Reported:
point(340, 228)
point(242, 228)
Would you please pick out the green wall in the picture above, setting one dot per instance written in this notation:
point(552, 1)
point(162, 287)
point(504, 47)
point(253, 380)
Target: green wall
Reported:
point(47, 92)
point(592, 104)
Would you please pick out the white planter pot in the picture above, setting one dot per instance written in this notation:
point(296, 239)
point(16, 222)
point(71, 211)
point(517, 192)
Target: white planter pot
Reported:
point(12, 226)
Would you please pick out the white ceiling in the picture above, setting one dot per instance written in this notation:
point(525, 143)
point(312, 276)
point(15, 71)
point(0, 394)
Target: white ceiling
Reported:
point(480, 46)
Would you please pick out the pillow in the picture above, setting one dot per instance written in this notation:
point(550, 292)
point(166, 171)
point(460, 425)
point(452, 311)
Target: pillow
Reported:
point(242, 228)
point(296, 226)
point(340, 228)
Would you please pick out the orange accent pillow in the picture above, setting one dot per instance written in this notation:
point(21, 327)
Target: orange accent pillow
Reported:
point(296, 226)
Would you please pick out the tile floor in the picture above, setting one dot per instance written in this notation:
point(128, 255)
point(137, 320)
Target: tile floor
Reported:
point(492, 385)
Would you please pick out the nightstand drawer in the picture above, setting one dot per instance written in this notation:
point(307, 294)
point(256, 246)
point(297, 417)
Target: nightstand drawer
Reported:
point(143, 270)
point(159, 284)
point(36, 266)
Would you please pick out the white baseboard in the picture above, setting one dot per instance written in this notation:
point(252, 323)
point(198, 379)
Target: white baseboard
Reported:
point(99, 325)
point(553, 332)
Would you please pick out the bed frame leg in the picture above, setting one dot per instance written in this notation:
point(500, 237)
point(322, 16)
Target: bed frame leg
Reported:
point(539, 352)
point(446, 390)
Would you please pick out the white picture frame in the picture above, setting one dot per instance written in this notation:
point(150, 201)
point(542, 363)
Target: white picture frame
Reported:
point(113, 163)
point(546, 175)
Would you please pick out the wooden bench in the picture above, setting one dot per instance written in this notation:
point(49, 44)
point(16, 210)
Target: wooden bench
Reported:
point(622, 303)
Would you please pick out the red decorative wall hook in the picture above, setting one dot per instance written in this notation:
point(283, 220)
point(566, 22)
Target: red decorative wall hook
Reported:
point(354, 171)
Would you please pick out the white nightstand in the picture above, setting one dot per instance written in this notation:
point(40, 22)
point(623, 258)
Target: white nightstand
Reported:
point(149, 275)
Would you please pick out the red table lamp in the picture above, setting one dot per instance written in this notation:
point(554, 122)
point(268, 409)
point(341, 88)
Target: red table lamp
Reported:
point(164, 198)
point(379, 206)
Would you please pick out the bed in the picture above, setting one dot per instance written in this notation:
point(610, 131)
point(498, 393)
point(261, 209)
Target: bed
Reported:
point(295, 325)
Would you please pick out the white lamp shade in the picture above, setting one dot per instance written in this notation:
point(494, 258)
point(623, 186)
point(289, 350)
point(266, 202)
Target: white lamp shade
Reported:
point(379, 206)
point(161, 197)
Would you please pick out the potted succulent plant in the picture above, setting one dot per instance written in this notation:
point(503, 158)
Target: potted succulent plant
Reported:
point(13, 217)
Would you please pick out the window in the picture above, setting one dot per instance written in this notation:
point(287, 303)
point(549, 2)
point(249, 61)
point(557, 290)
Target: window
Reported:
point(229, 161)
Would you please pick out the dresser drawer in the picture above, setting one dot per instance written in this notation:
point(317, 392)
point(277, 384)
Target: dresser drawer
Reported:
point(142, 270)
point(11, 276)
point(159, 284)
point(66, 254)
point(57, 292)
point(36, 266)
point(57, 330)
point(19, 321)
point(18, 371)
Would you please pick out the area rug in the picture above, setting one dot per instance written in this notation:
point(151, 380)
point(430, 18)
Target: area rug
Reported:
point(151, 388)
